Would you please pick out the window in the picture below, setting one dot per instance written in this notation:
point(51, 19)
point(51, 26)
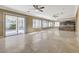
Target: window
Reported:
point(21, 25)
point(45, 24)
point(49, 24)
point(34, 23)
point(37, 23)
point(57, 24)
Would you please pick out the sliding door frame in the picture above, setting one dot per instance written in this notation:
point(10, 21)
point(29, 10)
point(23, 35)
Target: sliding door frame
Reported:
point(4, 20)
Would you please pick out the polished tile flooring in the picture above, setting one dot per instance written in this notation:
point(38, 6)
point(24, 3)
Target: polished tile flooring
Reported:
point(47, 41)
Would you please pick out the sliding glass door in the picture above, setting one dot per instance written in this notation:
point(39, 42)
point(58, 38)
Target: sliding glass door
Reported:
point(11, 25)
point(21, 25)
point(14, 25)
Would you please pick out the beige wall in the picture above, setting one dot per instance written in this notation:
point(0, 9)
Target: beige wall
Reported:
point(77, 22)
point(29, 24)
point(1, 23)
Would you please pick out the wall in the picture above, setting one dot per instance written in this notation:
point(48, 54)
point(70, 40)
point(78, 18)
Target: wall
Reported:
point(77, 22)
point(29, 24)
point(1, 23)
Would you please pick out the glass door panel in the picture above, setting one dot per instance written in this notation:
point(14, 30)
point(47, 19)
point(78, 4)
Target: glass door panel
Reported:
point(21, 25)
point(45, 24)
point(11, 25)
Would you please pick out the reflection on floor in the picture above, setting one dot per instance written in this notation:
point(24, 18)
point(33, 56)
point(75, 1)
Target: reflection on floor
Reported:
point(51, 40)
point(13, 32)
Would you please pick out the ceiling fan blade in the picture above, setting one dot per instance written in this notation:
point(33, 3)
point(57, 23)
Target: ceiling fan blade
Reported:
point(35, 6)
point(40, 10)
point(42, 7)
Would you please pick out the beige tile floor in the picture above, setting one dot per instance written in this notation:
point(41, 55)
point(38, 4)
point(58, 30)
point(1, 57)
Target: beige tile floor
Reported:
point(47, 41)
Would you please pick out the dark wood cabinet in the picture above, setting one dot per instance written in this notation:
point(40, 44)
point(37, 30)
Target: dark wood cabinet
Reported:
point(67, 26)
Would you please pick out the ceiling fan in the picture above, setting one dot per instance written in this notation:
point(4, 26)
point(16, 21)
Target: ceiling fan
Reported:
point(38, 7)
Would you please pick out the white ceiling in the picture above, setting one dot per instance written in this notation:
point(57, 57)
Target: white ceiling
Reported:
point(49, 10)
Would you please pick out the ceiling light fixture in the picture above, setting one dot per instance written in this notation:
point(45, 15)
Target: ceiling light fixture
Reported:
point(38, 7)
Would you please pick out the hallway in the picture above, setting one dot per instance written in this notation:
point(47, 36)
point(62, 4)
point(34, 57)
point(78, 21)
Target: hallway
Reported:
point(51, 40)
